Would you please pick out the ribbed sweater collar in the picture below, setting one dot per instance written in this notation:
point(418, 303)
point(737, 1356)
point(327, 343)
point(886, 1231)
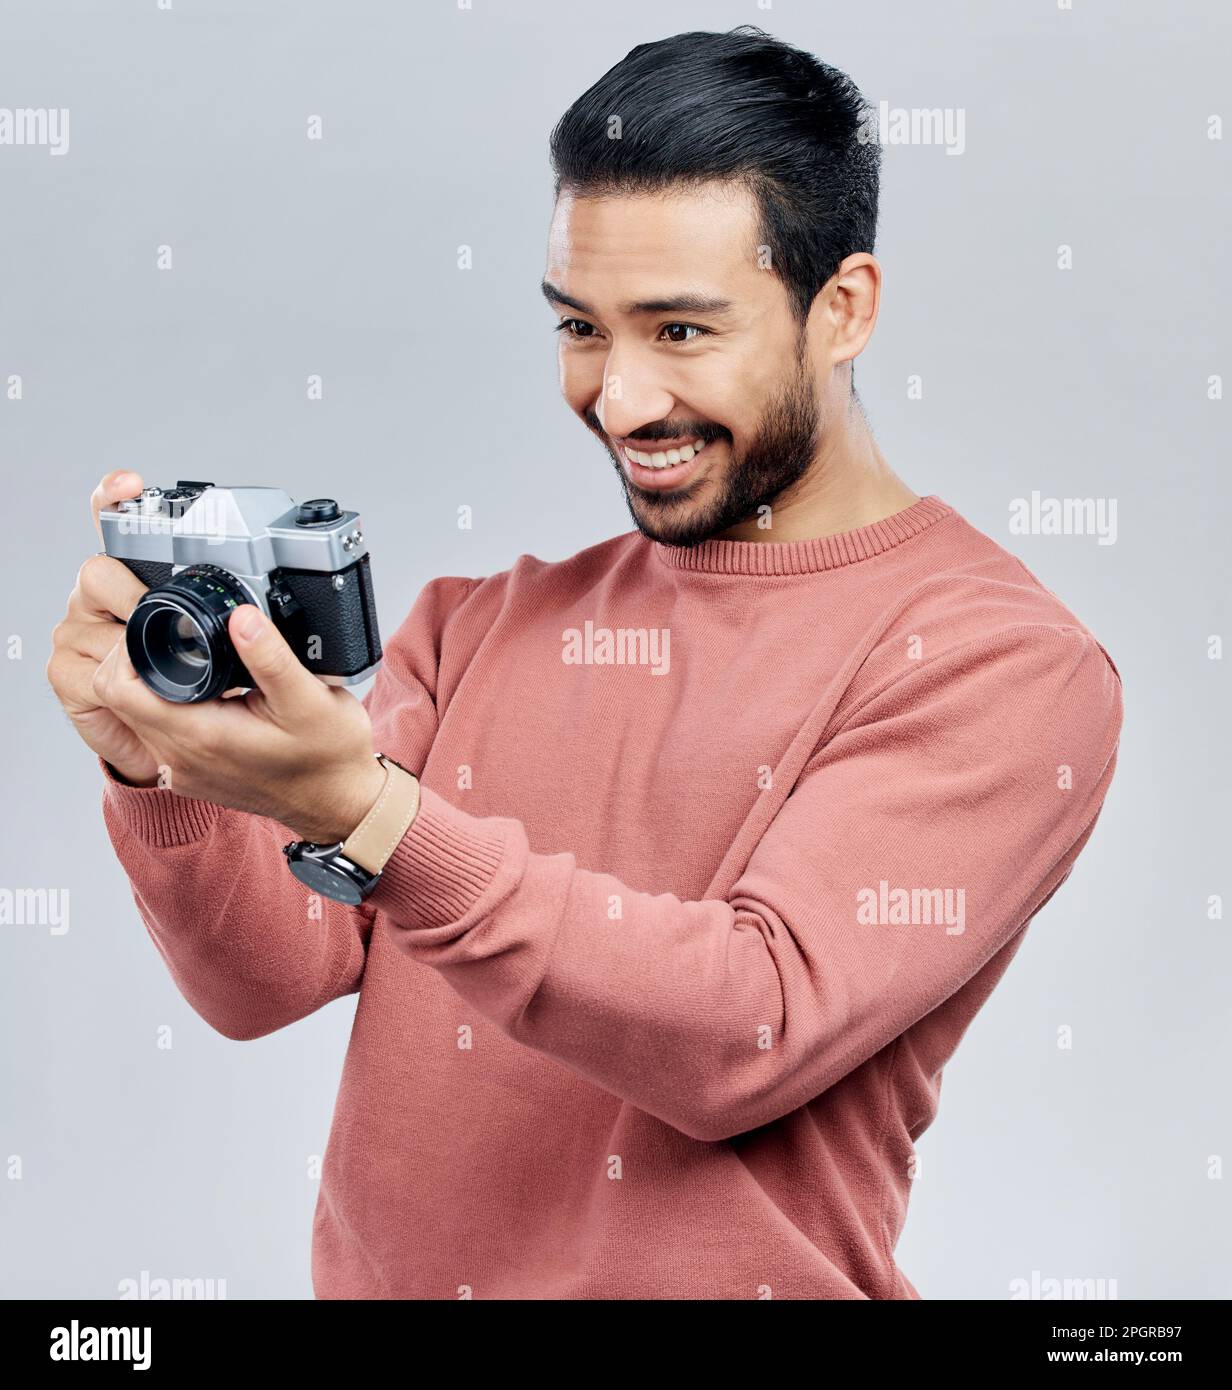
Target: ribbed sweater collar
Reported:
point(806, 556)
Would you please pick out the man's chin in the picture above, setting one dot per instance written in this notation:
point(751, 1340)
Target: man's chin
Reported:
point(676, 518)
point(668, 520)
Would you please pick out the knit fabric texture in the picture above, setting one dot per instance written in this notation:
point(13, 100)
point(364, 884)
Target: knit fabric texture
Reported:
point(719, 852)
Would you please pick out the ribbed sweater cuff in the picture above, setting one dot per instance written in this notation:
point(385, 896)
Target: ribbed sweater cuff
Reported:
point(441, 866)
point(156, 815)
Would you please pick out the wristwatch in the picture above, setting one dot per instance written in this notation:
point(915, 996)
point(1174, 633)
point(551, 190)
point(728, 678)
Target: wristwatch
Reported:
point(351, 869)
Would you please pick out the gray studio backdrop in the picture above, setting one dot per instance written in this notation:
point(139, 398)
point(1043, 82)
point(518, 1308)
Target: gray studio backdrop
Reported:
point(1002, 366)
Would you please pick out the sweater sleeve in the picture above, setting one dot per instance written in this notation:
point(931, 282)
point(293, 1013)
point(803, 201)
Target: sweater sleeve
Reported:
point(919, 840)
point(248, 946)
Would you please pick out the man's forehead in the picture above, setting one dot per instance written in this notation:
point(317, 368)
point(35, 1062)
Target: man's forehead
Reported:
point(640, 252)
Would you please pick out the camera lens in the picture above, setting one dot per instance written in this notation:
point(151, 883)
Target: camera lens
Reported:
point(176, 645)
point(177, 635)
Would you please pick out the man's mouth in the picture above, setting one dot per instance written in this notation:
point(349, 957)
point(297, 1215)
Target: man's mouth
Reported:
point(664, 453)
point(668, 464)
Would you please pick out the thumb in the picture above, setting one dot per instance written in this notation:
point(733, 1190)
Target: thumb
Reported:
point(279, 674)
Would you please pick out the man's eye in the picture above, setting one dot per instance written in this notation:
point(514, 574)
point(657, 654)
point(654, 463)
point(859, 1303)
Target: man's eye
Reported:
point(688, 328)
point(566, 326)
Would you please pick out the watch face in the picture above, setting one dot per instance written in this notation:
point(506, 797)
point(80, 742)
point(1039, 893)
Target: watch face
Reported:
point(323, 880)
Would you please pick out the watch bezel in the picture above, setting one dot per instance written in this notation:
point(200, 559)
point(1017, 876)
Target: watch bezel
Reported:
point(325, 869)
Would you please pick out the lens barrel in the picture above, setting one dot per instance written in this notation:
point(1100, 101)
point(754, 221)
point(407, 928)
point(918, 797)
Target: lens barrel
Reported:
point(177, 635)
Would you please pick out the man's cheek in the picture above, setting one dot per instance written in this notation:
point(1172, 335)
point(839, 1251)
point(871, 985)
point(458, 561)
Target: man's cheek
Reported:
point(581, 384)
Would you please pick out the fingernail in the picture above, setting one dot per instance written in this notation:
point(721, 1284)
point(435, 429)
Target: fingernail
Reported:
point(126, 480)
point(250, 622)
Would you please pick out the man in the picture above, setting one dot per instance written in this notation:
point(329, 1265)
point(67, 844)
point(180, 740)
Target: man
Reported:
point(715, 836)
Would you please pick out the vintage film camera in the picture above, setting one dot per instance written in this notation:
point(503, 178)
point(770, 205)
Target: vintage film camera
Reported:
point(204, 550)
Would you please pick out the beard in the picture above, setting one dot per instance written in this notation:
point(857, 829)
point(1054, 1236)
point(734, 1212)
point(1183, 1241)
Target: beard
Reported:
point(779, 455)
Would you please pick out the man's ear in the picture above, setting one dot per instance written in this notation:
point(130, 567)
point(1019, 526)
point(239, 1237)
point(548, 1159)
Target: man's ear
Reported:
point(846, 310)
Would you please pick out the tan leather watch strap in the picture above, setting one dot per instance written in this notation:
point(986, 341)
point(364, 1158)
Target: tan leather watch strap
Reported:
point(376, 837)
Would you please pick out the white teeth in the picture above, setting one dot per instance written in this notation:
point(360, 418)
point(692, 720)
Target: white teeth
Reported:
point(665, 460)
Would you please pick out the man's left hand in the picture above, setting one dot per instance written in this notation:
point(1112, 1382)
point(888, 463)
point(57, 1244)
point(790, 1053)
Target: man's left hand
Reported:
point(294, 749)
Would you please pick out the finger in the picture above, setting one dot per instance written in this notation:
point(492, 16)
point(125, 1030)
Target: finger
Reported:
point(280, 676)
point(112, 489)
point(89, 638)
point(72, 677)
point(118, 686)
point(105, 588)
point(169, 730)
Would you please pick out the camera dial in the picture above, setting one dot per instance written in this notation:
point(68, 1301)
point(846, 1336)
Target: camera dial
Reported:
point(316, 511)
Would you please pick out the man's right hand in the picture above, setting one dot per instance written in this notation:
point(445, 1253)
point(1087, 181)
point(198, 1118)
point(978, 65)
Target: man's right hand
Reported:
point(104, 596)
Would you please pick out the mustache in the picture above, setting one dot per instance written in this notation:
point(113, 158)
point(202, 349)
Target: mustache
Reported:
point(649, 433)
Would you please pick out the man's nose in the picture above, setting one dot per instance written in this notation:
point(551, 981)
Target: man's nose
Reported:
point(626, 403)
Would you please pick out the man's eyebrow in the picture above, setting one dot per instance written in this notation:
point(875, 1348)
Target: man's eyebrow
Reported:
point(672, 304)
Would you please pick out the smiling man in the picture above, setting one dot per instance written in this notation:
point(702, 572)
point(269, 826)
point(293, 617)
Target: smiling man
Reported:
point(697, 852)
point(720, 385)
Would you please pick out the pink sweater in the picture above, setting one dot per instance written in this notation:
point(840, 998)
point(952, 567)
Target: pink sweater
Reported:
point(719, 853)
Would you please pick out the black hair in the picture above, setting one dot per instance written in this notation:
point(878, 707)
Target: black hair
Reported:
point(746, 107)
